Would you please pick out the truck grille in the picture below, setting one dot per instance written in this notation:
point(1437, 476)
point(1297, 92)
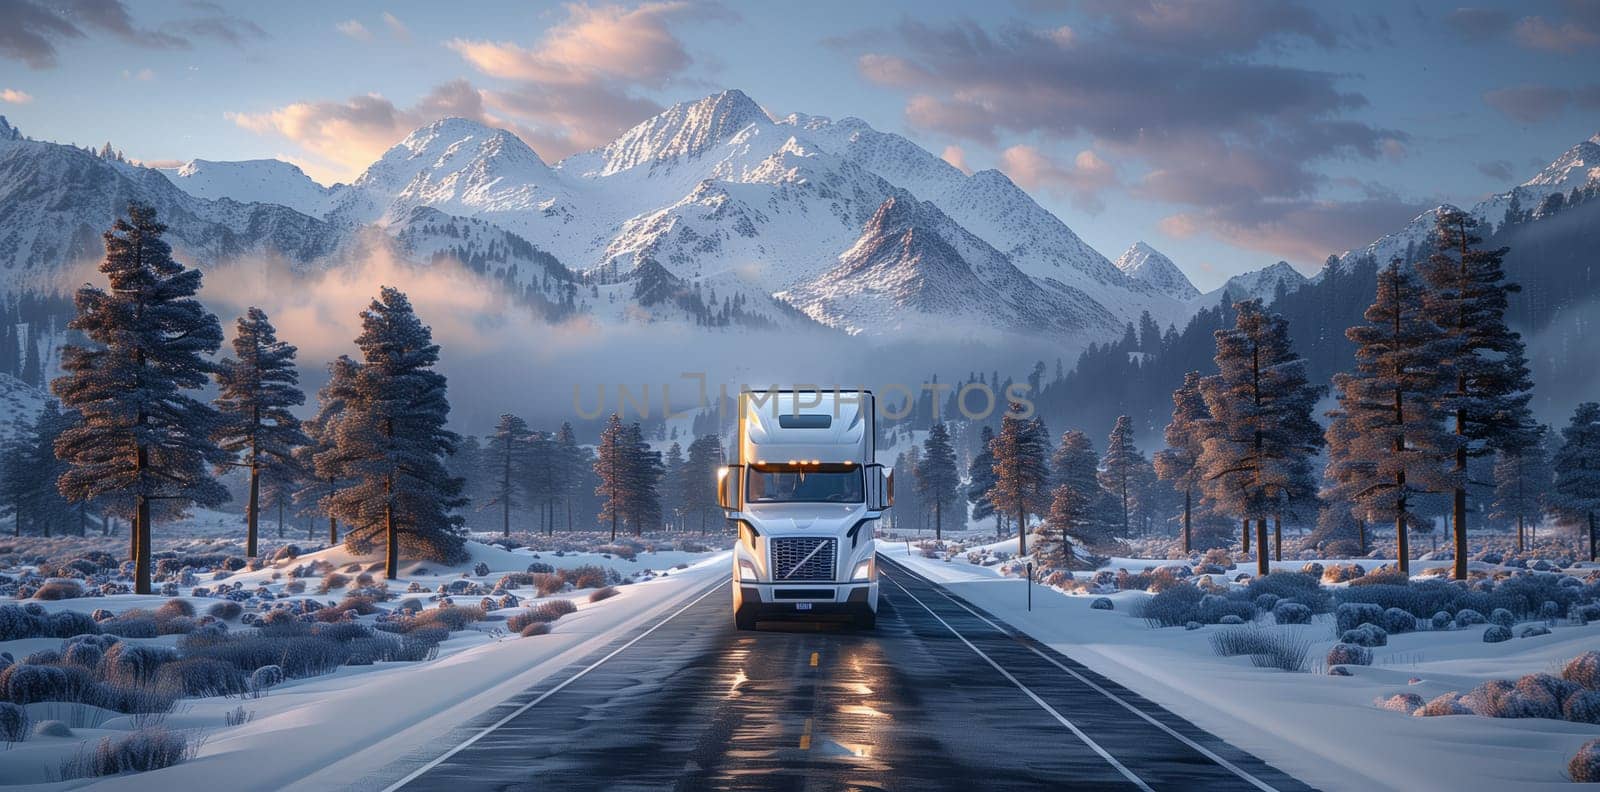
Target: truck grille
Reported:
point(793, 558)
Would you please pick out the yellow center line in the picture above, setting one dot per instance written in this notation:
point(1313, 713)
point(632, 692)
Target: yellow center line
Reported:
point(814, 659)
point(805, 737)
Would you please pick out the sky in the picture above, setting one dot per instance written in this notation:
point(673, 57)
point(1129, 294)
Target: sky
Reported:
point(1228, 134)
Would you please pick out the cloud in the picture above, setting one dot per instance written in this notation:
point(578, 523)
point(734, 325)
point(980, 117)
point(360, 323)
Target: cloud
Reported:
point(397, 28)
point(32, 31)
point(14, 96)
point(1538, 33)
point(1478, 24)
point(344, 137)
point(1082, 181)
point(1529, 103)
point(956, 157)
point(354, 29)
point(1305, 230)
point(1172, 87)
point(1499, 170)
point(142, 75)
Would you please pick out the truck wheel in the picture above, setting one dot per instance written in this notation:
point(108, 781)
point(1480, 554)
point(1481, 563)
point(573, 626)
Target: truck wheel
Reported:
point(744, 619)
point(866, 620)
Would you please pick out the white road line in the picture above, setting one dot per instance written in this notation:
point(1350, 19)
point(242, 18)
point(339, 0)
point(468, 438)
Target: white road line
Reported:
point(1104, 754)
point(1231, 767)
point(412, 776)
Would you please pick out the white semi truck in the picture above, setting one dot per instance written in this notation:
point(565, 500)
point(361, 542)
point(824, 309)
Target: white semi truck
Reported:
point(806, 492)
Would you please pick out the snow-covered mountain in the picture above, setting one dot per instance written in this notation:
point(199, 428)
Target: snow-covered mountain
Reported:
point(1578, 167)
point(1261, 284)
point(266, 181)
point(1145, 263)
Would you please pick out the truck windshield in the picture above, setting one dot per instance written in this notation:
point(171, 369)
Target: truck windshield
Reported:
point(819, 484)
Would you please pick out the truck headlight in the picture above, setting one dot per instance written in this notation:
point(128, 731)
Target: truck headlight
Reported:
point(747, 570)
point(866, 570)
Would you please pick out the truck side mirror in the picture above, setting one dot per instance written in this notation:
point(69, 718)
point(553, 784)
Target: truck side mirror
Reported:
point(880, 487)
point(728, 487)
point(888, 487)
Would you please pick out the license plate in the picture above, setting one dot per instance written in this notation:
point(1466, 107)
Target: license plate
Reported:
point(799, 606)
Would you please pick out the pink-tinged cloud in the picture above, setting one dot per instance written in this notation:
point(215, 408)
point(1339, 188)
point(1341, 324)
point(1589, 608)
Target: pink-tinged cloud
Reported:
point(1306, 231)
point(342, 138)
point(956, 157)
point(1538, 33)
point(354, 29)
point(1529, 103)
point(1082, 181)
point(14, 96)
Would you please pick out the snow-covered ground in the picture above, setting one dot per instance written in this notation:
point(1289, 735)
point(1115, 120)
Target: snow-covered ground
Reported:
point(1325, 730)
point(331, 730)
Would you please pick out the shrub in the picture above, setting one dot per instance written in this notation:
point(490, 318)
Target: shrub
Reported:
point(1467, 617)
point(52, 728)
point(1496, 633)
point(1230, 618)
point(1396, 620)
point(13, 722)
point(1291, 613)
point(1502, 617)
point(541, 567)
point(141, 751)
point(1100, 603)
point(1406, 703)
point(265, 678)
point(59, 589)
point(1213, 608)
point(1368, 635)
point(87, 655)
point(133, 623)
point(608, 592)
point(1349, 654)
point(1583, 670)
point(1585, 764)
point(362, 605)
point(1292, 587)
point(450, 617)
point(227, 610)
point(1582, 706)
point(1441, 621)
point(133, 663)
point(1547, 686)
point(174, 608)
point(26, 684)
point(342, 631)
point(428, 634)
point(201, 676)
point(17, 623)
point(1445, 704)
point(1351, 615)
point(1487, 699)
point(1242, 641)
point(67, 623)
point(1533, 630)
point(535, 628)
point(1172, 608)
point(1341, 573)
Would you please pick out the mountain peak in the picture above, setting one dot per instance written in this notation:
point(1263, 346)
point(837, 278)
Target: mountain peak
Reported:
point(684, 131)
point(1144, 263)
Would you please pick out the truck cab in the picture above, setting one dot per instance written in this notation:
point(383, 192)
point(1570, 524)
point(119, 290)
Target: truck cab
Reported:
point(805, 491)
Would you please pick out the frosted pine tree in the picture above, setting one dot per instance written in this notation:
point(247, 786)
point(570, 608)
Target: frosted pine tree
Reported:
point(1342, 519)
point(1489, 401)
point(508, 459)
point(257, 389)
point(699, 479)
point(1120, 469)
point(938, 479)
point(1022, 477)
point(980, 477)
point(1255, 459)
point(319, 484)
point(571, 468)
point(644, 469)
point(1576, 496)
point(671, 488)
point(141, 438)
point(1522, 481)
point(1078, 506)
point(1185, 437)
point(611, 465)
point(1396, 443)
point(390, 442)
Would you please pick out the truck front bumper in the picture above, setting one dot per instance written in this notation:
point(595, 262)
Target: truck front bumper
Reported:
point(805, 600)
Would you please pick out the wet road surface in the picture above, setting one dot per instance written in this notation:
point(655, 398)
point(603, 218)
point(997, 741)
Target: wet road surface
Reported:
point(941, 696)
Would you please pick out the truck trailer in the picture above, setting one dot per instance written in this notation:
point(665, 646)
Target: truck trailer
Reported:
point(805, 491)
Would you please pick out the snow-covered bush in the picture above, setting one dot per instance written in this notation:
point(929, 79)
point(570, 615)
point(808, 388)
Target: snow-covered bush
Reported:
point(1533, 630)
point(141, 751)
point(1583, 670)
point(541, 567)
point(1502, 617)
point(451, 617)
point(1349, 654)
point(604, 593)
point(133, 623)
point(1213, 608)
point(1444, 704)
point(1342, 573)
point(1582, 706)
point(201, 676)
point(1396, 620)
point(17, 622)
point(174, 608)
point(1101, 603)
point(13, 722)
point(1467, 617)
point(1291, 587)
point(534, 628)
point(265, 678)
point(1171, 608)
point(1351, 615)
point(1404, 703)
point(1441, 621)
point(480, 569)
point(1230, 618)
point(59, 589)
point(1496, 633)
point(1291, 613)
point(51, 728)
point(67, 623)
point(227, 610)
point(87, 655)
point(133, 663)
point(1585, 764)
point(1368, 635)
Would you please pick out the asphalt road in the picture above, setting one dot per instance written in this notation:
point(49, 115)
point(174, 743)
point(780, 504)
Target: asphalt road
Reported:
point(941, 696)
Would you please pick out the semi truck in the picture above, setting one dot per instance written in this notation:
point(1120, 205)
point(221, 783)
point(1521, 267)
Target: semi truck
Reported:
point(805, 491)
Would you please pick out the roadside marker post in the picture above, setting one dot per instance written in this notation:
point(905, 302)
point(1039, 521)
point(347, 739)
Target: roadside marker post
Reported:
point(1030, 586)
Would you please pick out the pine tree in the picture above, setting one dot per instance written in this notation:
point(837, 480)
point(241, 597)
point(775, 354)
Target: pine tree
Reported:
point(699, 478)
point(611, 465)
point(938, 479)
point(672, 485)
point(980, 477)
point(1022, 477)
point(1120, 469)
point(1489, 403)
point(510, 449)
point(1185, 437)
point(1344, 478)
point(1255, 460)
point(1521, 479)
point(642, 506)
point(319, 485)
point(1079, 507)
point(1576, 496)
point(257, 390)
point(1395, 441)
point(541, 476)
point(18, 479)
point(572, 467)
point(390, 442)
point(141, 437)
